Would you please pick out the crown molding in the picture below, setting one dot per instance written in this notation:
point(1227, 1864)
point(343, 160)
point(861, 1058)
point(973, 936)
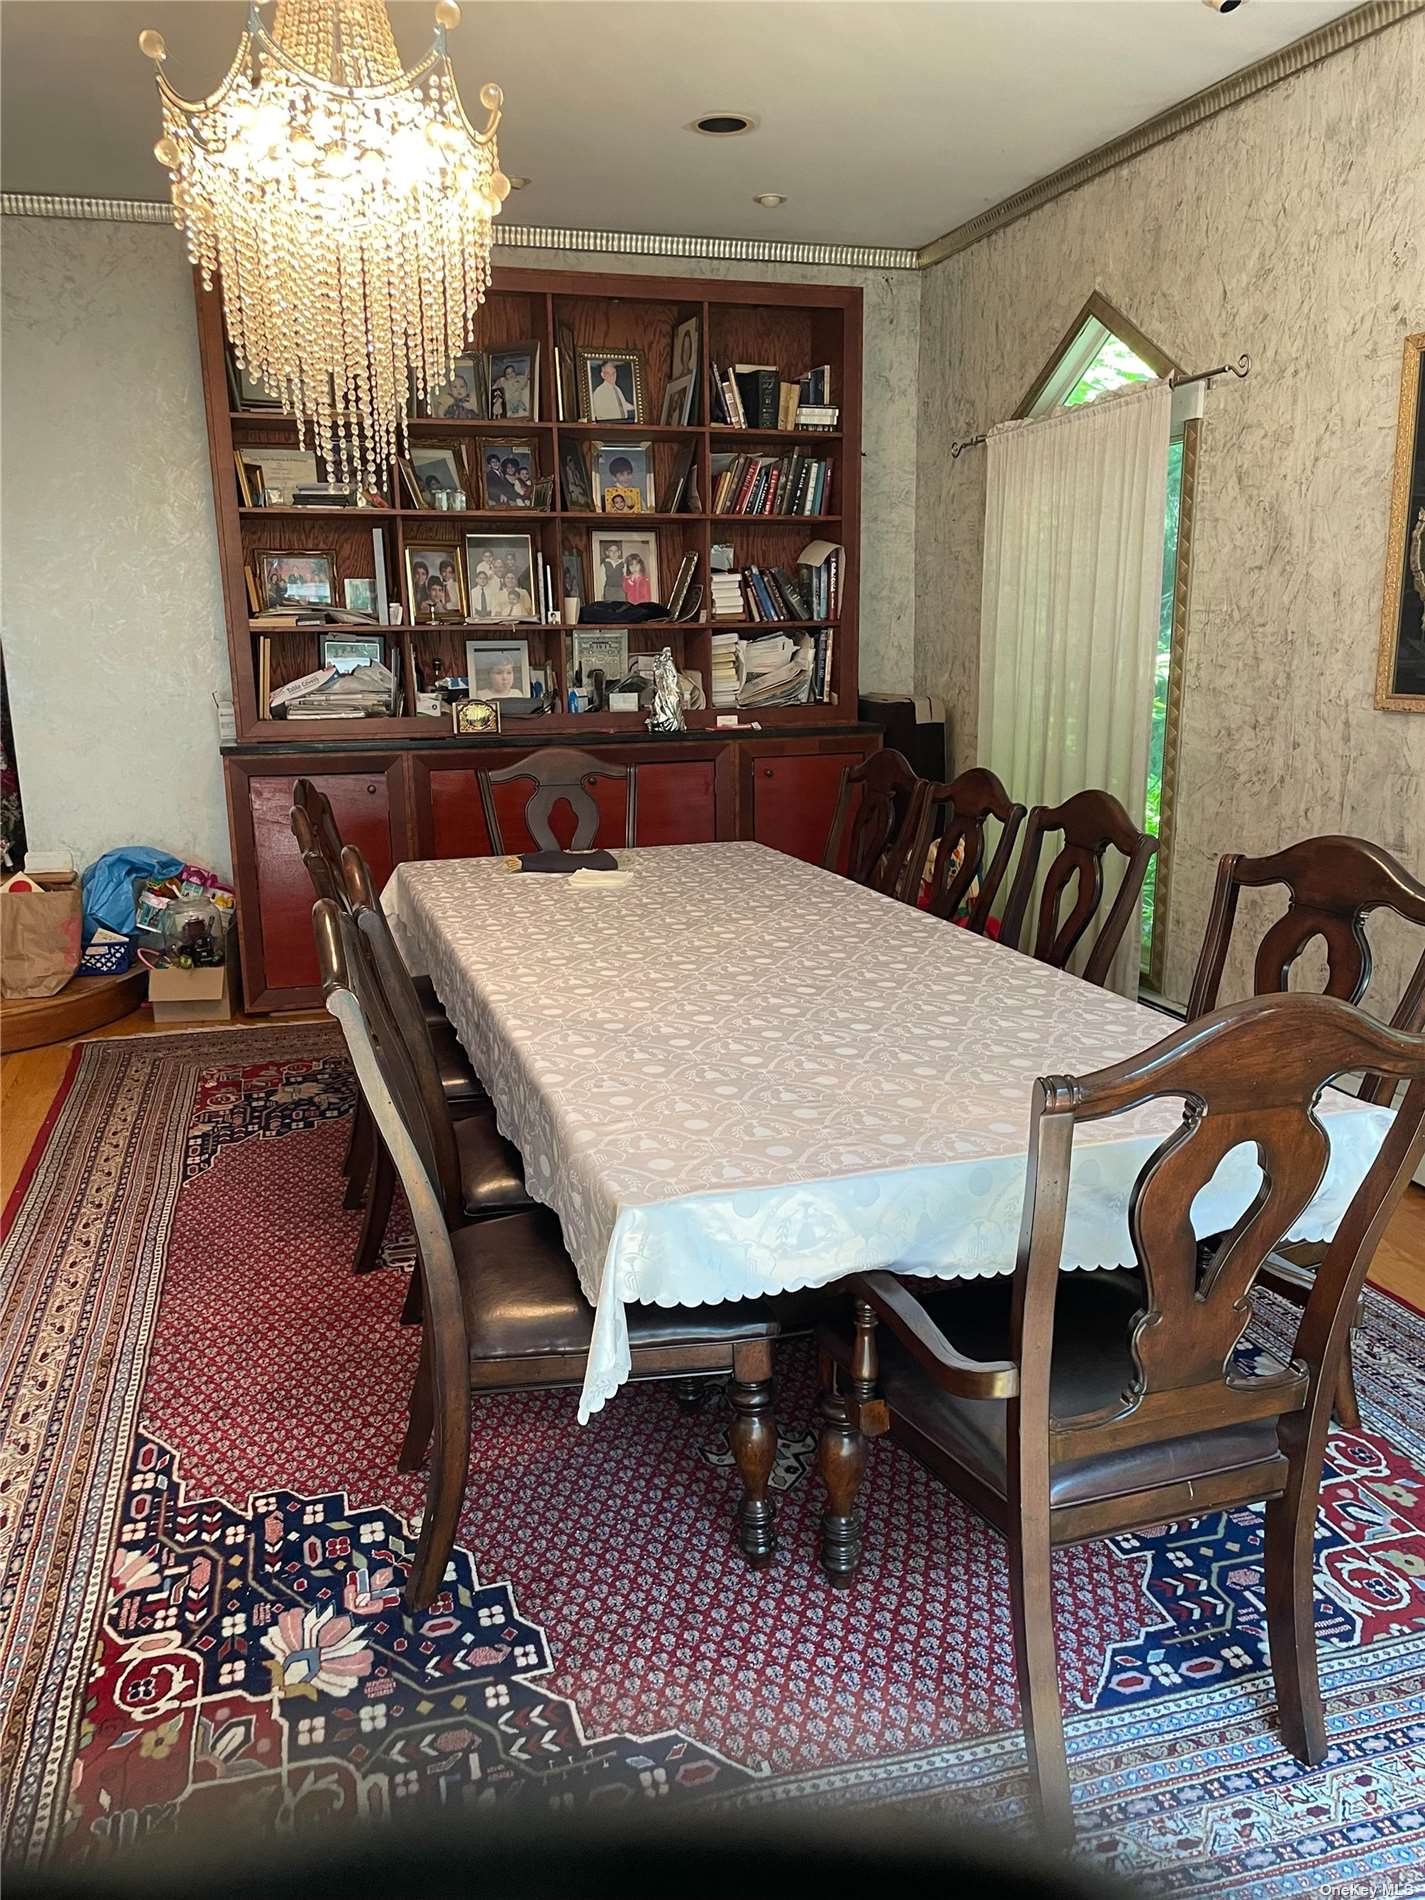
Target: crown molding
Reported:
point(526, 237)
point(1337, 36)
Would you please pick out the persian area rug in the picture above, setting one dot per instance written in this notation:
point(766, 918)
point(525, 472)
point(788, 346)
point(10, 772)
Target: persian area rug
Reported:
point(203, 1538)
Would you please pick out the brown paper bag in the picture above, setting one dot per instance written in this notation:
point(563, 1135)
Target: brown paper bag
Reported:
point(39, 940)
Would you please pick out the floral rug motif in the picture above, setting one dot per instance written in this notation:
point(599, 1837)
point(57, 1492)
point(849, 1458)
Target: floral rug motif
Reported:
point(203, 1539)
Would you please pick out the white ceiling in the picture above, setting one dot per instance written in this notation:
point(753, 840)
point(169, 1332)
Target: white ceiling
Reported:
point(883, 121)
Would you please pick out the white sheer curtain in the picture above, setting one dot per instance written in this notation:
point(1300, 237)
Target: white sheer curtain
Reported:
point(1069, 613)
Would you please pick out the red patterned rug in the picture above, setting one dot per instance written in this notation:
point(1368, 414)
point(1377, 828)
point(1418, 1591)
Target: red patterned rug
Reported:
point(203, 1536)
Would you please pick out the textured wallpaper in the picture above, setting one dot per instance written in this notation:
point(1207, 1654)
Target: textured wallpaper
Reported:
point(110, 609)
point(1292, 227)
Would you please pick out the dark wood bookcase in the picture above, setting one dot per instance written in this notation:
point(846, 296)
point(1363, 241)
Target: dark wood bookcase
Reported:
point(794, 326)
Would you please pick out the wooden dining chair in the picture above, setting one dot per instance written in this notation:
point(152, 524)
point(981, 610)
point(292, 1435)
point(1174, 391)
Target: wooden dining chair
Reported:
point(1333, 884)
point(1091, 822)
point(478, 1173)
point(561, 775)
point(880, 852)
point(1076, 1405)
point(503, 1310)
point(960, 810)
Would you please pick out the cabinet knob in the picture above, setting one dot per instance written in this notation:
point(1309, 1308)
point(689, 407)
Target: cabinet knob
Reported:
point(766, 771)
point(371, 791)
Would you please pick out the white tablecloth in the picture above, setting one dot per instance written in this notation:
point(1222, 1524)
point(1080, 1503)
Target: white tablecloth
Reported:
point(741, 1074)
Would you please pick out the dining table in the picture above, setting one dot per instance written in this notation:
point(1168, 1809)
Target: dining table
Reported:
point(733, 1074)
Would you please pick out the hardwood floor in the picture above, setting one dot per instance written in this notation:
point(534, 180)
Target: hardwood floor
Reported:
point(30, 1079)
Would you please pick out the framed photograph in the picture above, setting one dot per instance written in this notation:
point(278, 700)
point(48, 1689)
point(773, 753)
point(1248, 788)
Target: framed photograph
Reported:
point(281, 472)
point(624, 566)
point(508, 474)
point(566, 369)
point(574, 479)
point(475, 715)
point(687, 350)
point(437, 470)
point(297, 580)
point(245, 391)
point(680, 493)
point(501, 572)
point(601, 649)
point(623, 477)
point(346, 653)
point(497, 669)
point(1400, 674)
point(514, 383)
point(360, 597)
point(678, 401)
point(434, 587)
point(611, 386)
point(464, 397)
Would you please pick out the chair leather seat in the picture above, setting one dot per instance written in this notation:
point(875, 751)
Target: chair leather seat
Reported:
point(1092, 1367)
point(459, 1082)
point(523, 1300)
point(491, 1169)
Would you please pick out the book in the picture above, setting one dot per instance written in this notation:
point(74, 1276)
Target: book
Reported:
point(758, 386)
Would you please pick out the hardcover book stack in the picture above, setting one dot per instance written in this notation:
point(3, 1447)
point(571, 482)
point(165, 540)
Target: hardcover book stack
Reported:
point(755, 396)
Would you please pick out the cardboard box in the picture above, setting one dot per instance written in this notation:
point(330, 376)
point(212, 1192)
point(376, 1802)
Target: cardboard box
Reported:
point(196, 996)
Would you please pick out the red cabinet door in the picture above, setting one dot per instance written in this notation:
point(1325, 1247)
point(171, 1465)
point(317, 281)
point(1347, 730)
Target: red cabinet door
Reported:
point(794, 799)
point(275, 895)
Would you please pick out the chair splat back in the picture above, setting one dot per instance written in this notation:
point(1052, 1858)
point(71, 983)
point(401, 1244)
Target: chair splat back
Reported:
point(320, 831)
point(968, 803)
point(1090, 821)
point(561, 775)
point(880, 852)
point(1333, 884)
point(1249, 1074)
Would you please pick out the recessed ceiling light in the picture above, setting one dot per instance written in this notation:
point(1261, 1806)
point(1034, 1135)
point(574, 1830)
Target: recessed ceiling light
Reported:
point(769, 200)
point(723, 125)
point(516, 182)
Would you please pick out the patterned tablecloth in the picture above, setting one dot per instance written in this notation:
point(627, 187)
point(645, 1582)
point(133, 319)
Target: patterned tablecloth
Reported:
point(741, 1074)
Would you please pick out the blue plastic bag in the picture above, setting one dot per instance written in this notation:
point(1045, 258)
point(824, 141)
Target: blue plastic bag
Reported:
point(107, 885)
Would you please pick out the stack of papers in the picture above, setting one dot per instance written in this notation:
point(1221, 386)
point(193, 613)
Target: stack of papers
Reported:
point(366, 691)
point(776, 670)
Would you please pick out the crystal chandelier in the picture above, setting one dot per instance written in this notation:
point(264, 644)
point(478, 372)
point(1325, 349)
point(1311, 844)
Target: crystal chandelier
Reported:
point(345, 205)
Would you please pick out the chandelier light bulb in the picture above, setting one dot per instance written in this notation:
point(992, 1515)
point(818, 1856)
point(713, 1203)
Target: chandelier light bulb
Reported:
point(344, 203)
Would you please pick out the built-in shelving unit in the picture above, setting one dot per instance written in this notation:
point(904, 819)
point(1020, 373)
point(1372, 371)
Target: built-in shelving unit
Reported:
point(792, 326)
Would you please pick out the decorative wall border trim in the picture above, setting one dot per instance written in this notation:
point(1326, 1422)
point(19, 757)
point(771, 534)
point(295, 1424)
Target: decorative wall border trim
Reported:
point(1337, 36)
point(527, 237)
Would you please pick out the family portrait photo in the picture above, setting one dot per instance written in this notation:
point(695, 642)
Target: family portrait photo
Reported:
point(625, 567)
point(434, 585)
point(298, 580)
point(514, 383)
point(501, 571)
point(463, 398)
point(507, 474)
point(497, 669)
point(623, 477)
point(612, 385)
point(346, 654)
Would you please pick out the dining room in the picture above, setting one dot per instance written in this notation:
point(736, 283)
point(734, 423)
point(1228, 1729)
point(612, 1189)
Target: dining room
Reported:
point(746, 1181)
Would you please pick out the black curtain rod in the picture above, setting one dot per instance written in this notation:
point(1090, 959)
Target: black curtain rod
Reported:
point(1241, 367)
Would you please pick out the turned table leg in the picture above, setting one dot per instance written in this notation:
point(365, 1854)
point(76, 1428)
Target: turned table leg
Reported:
point(754, 1446)
point(847, 1419)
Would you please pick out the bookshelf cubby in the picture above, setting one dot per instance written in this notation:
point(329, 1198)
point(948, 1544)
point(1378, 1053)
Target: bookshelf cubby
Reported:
point(792, 326)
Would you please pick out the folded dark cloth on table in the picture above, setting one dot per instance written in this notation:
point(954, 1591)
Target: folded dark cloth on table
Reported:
point(568, 861)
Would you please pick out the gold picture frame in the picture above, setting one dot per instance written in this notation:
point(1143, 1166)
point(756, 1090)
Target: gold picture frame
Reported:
point(1400, 676)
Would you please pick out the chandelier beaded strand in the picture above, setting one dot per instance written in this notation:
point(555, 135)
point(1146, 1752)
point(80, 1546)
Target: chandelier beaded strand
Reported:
point(345, 206)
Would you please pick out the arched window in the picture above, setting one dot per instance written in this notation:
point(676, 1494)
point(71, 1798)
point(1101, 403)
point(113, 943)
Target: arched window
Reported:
point(1102, 351)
